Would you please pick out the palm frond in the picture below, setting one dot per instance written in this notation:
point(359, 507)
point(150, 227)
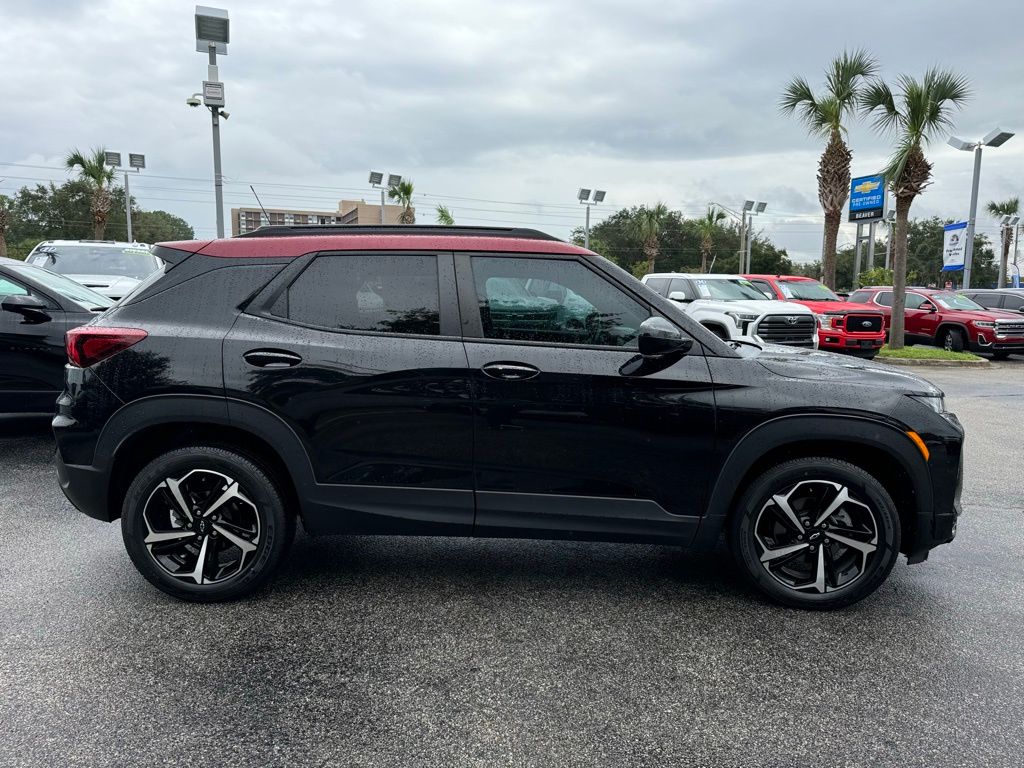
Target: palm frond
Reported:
point(1008, 207)
point(845, 74)
point(877, 98)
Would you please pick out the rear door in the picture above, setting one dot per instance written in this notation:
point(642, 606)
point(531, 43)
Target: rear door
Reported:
point(566, 444)
point(360, 354)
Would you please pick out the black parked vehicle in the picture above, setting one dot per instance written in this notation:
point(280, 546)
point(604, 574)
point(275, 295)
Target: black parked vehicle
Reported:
point(381, 380)
point(1006, 299)
point(36, 308)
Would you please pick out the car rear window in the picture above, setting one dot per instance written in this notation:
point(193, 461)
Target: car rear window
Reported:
point(385, 293)
point(84, 259)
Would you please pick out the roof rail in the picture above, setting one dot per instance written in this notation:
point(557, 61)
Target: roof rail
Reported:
point(306, 230)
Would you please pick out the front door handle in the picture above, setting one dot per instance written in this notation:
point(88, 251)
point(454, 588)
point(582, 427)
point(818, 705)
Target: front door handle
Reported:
point(510, 371)
point(271, 358)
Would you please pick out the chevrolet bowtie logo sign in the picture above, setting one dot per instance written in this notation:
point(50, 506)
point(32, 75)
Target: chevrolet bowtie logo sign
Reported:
point(867, 186)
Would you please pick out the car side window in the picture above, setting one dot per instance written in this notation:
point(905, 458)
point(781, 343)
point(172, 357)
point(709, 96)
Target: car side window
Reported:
point(658, 284)
point(11, 288)
point(386, 293)
point(992, 300)
point(554, 301)
point(1013, 303)
point(764, 288)
point(915, 300)
point(884, 298)
point(860, 297)
point(681, 285)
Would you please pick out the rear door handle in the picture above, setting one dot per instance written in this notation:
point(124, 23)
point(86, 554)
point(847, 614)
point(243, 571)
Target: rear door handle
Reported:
point(510, 371)
point(271, 358)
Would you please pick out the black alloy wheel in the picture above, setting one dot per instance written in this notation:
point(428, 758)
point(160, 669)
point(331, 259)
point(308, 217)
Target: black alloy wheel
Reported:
point(953, 340)
point(816, 533)
point(205, 524)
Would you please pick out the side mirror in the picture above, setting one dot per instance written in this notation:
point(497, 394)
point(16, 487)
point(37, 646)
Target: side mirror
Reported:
point(31, 308)
point(678, 296)
point(658, 338)
point(928, 307)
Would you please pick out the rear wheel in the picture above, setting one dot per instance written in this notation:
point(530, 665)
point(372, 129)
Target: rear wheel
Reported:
point(953, 340)
point(816, 533)
point(205, 524)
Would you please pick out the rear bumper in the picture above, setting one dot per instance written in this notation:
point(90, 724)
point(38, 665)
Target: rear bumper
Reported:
point(85, 487)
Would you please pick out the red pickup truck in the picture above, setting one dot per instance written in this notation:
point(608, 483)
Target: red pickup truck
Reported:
point(842, 326)
point(949, 320)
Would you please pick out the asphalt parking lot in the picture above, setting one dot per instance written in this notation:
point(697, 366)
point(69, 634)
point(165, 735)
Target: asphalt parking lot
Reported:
point(431, 652)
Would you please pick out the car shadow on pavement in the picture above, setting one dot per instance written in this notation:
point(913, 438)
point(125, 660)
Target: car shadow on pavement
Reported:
point(24, 426)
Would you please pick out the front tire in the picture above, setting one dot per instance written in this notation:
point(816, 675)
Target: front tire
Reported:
point(205, 524)
point(953, 340)
point(815, 533)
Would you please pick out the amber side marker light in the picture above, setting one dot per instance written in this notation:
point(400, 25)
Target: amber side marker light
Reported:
point(919, 443)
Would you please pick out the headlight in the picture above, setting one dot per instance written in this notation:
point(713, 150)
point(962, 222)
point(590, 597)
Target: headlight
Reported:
point(827, 321)
point(936, 402)
point(742, 318)
point(983, 324)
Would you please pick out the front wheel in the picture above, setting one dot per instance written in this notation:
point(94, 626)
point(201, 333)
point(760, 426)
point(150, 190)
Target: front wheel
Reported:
point(953, 340)
point(205, 524)
point(816, 533)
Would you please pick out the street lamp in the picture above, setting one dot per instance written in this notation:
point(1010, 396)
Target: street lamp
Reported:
point(889, 221)
point(135, 165)
point(585, 199)
point(994, 138)
point(213, 33)
point(758, 208)
point(376, 181)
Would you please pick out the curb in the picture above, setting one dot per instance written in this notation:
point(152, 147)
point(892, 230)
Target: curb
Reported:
point(982, 363)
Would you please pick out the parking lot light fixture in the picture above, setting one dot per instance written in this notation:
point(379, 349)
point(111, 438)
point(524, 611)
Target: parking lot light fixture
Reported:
point(213, 33)
point(994, 138)
point(758, 207)
point(376, 181)
point(585, 199)
point(136, 163)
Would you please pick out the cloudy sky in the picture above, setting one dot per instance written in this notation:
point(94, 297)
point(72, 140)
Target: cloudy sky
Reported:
point(498, 110)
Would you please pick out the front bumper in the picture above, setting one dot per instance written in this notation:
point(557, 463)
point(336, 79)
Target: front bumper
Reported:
point(946, 468)
point(835, 341)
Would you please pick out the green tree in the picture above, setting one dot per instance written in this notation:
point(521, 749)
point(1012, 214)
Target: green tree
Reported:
point(874, 276)
point(93, 169)
point(825, 116)
point(646, 228)
point(997, 209)
point(159, 226)
point(402, 194)
point(917, 113)
point(6, 217)
point(444, 216)
point(709, 225)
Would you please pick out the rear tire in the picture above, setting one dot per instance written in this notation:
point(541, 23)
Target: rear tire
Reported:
point(953, 340)
point(796, 549)
point(205, 524)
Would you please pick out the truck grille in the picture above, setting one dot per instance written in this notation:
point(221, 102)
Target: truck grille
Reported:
point(863, 323)
point(1010, 327)
point(795, 330)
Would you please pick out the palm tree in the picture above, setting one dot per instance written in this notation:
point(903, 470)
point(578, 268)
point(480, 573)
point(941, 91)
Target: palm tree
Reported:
point(997, 210)
point(401, 193)
point(93, 169)
point(5, 222)
point(916, 114)
point(444, 216)
point(708, 226)
point(646, 227)
point(824, 116)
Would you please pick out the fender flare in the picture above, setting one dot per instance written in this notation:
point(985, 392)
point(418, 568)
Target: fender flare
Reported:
point(787, 430)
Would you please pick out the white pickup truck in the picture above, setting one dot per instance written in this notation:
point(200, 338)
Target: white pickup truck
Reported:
point(732, 308)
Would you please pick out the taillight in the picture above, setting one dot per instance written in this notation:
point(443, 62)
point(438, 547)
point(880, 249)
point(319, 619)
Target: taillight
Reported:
point(89, 345)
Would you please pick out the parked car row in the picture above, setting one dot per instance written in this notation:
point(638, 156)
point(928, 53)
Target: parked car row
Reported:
point(487, 382)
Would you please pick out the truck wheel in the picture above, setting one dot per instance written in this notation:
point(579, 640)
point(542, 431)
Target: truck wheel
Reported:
point(953, 340)
point(205, 524)
point(816, 533)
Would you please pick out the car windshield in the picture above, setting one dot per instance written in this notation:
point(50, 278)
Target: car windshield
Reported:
point(727, 289)
point(65, 286)
point(954, 301)
point(85, 259)
point(806, 290)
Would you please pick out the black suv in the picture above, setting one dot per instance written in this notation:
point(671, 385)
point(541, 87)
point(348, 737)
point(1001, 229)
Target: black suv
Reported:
point(481, 382)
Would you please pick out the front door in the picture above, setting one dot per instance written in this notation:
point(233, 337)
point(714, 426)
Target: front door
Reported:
point(566, 444)
point(360, 355)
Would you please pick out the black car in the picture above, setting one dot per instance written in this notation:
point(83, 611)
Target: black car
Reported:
point(379, 380)
point(37, 307)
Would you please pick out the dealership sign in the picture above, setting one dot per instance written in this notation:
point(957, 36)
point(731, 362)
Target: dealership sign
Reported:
point(954, 246)
point(867, 198)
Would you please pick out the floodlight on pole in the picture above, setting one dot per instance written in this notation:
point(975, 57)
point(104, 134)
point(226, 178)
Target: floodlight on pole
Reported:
point(136, 163)
point(394, 180)
point(889, 220)
point(213, 33)
point(376, 179)
point(758, 207)
point(1008, 227)
point(994, 138)
point(584, 198)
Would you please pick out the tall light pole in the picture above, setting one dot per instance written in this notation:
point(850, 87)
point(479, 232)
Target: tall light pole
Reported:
point(585, 199)
point(212, 36)
point(889, 221)
point(758, 208)
point(995, 138)
point(135, 165)
point(376, 181)
point(1008, 227)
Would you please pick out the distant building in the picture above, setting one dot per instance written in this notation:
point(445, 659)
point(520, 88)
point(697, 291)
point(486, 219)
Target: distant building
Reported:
point(349, 212)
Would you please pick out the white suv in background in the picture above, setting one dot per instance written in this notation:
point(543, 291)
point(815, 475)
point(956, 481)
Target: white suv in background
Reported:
point(732, 308)
point(107, 266)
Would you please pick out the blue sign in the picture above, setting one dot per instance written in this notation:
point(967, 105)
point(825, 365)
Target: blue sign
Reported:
point(867, 198)
point(954, 246)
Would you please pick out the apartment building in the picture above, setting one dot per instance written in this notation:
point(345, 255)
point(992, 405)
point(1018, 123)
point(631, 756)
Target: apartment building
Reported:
point(349, 212)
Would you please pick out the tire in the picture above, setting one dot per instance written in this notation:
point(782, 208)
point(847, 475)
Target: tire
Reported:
point(244, 538)
point(818, 571)
point(717, 330)
point(953, 340)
